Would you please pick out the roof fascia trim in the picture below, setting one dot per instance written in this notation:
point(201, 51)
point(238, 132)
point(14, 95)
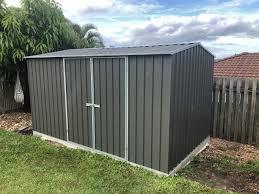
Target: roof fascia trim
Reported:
point(191, 46)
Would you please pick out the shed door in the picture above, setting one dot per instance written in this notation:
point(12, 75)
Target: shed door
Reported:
point(78, 88)
point(96, 103)
point(109, 85)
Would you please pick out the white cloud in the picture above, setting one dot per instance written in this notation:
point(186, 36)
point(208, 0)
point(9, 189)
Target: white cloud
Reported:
point(237, 3)
point(124, 23)
point(229, 45)
point(90, 7)
point(232, 32)
point(85, 7)
point(225, 6)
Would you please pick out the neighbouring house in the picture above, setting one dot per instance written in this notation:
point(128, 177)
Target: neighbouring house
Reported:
point(244, 65)
point(236, 113)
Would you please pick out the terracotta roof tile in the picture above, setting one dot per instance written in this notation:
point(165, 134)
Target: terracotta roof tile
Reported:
point(244, 65)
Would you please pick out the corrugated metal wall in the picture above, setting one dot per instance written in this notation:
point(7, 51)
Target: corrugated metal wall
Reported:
point(169, 104)
point(78, 82)
point(109, 81)
point(191, 96)
point(48, 106)
point(47, 96)
point(149, 110)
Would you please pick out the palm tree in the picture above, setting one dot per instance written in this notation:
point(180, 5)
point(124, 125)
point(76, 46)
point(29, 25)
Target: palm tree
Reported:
point(2, 7)
point(90, 36)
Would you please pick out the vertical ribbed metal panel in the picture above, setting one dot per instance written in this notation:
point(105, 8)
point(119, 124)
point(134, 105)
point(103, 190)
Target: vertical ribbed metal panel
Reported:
point(38, 113)
point(122, 107)
point(33, 93)
point(31, 90)
point(149, 110)
point(60, 99)
point(157, 105)
point(78, 88)
point(51, 77)
point(109, 83)
point(190, 101)
point(44, 109)
point(47, 104)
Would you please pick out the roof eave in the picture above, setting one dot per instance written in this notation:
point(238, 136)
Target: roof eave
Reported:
point(43, 56)
point(103, 55)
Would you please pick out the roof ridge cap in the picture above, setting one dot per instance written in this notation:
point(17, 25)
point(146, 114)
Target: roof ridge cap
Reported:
point(153, 45)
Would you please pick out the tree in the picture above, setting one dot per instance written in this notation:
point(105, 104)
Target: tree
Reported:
point(2, 9)
point(37, 27)
point(89, 35)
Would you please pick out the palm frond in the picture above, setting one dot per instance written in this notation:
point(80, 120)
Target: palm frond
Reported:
point(85, 28)
point(92, 37)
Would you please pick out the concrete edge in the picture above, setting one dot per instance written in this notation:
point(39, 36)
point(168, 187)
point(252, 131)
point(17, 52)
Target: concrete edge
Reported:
point(78, 146)
point(181, 165)
point(191, 155)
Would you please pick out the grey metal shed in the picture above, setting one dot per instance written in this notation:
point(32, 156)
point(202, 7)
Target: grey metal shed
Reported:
point(147, 105)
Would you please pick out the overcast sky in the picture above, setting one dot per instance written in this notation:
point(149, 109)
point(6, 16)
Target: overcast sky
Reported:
point(224, 27)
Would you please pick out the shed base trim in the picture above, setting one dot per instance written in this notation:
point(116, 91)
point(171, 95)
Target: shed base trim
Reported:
point(190, 156)
point(78, 146)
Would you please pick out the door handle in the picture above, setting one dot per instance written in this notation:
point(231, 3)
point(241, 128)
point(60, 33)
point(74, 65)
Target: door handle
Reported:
point(92, 105)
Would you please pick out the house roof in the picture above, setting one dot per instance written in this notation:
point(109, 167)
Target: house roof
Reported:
point(121, 51)
point(244, 65)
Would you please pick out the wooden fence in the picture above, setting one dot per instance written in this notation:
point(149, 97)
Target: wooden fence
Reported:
point(7, 102)
point(236, 110)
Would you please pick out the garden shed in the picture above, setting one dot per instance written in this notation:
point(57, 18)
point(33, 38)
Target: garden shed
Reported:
point(148, 105)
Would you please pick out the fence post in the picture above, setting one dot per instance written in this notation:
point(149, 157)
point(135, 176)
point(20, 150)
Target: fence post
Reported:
point(7, 102)
point(257, 127)
point(243, 130)
point(237, 110)
point(216, 104)
point(222, 109)
point(252, 112)
point(230, 108)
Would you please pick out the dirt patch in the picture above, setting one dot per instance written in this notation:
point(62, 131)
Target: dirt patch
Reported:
point(207, 173)
point(55, 143)
point(241, 152)
point(20, 122)
point(219, 164)
point(15, 121)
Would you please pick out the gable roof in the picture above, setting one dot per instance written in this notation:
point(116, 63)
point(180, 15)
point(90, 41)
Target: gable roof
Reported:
point(244, 65)
point(120, 51)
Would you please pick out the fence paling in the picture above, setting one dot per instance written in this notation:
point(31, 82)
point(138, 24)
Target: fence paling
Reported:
point(216, 101)
point(235, 114)
point(237, 110)
point(222, 115)
point(252, 113)
point(245, 102)
point(230, 101)
point(7, 102)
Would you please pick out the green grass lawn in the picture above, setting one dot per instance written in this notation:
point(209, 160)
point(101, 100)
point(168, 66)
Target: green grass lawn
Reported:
point(30, 165)
point(231, 163)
